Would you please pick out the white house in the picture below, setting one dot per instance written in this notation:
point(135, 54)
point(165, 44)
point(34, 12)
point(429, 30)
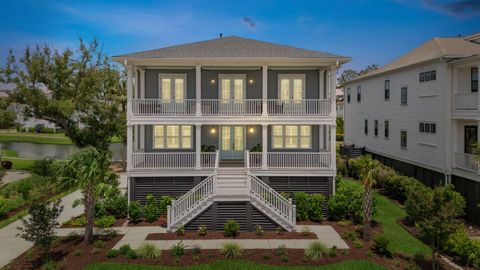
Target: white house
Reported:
point(421, 114)
point(224, 125)
point(340, 102)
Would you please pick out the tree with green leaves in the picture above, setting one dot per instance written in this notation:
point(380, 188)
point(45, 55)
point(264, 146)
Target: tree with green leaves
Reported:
point(439, 219)
point(7, 115)
point(368, 170)
point(350, 74)
point(79, 91)
point(87, 170)
point(40, 227)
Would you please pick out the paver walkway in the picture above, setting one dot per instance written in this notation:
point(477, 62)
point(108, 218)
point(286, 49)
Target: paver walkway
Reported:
point(12, 246)
point(135, 237)
point(13, 176)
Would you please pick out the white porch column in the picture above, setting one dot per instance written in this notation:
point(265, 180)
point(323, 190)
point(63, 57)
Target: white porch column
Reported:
point(264, 146)
point(198, 145)
point(478, 93)
point(321, 95)
point(333, 148)
point(198, 90)
point(142, 137)
point(332, 87)
point(142, 83)
point(129, 146)
point(264, 90)
point(129, 90)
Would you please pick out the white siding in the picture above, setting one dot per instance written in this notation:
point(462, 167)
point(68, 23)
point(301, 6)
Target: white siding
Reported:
point(426, 103)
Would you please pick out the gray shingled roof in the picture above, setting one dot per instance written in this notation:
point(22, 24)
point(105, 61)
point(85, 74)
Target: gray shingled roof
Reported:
point(453, 48)
point(230, 47)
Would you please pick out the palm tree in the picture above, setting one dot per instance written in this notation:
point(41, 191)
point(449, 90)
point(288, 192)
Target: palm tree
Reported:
point(368, 170)
point(86, 170)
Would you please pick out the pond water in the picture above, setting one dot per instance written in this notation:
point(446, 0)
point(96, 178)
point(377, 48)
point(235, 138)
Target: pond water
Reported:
point(39, 151)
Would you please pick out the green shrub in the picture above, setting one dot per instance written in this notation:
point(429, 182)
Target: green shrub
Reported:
point(463, 249)
point(177, 250)
point(165, 201)
point(202, 230)
point(124, 249)
point(381, 246)
point(259, 230)
point(45, 167)
point(24, 188)
point(418, 202)
point(398, 186)
point(350, 235)
point(285, 259)
point(150, 211)
point(49, 265)
point(77, 221)
point(105, 221)
point(315, 207)
point(357, 243)
point(196, 249)
point(281, 250)
point(99, 244)
point(305, 231)
point(135, 212)
point(347, 203)
point(315, 250)
point(231, 250)
point(231, 228)
point(113, 253)
point(117, 206)
point(180, 231)
point(301, 202)
point(149, 251)
point(131, 254)
point(332, 252)
point(3, 205)
point(266, 256)
point(341, 166)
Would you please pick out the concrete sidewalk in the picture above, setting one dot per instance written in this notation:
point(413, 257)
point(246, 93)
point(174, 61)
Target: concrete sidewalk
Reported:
point(135, 237)
point(12, 246)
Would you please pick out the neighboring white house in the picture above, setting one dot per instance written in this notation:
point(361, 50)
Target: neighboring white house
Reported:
point(225, 125)
point(421, 114)
point(340, 102)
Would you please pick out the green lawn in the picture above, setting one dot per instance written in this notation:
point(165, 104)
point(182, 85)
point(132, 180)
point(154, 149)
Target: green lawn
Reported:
point(39, 138)
point(20, 163)
point(240, 265)
point(387, 214)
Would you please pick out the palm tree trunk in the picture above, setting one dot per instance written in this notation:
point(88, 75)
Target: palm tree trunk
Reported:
point(89, 213)
point(367, 208)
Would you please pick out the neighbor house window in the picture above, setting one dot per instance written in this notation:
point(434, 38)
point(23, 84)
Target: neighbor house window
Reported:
point(291, 137)
point(172, 137)
point(359, 93)
point(404, 95)
point(172, 87)
point(387, 131)
point(428, 76)
point(387, 89)
point(403, 139)
point(427, 128)
point(291, 87)
point(366, 127)
point(375, 127)
point(348, 95)
point(474, 75)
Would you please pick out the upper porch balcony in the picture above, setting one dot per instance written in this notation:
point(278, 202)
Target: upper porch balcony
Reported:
point(466, 85)
point(227, 91)
point(231, 107)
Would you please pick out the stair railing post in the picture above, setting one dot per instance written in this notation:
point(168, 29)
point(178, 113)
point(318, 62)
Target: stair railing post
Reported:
point(169, 217)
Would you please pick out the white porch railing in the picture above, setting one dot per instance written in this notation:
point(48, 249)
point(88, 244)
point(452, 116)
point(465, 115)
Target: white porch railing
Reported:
point(291, 160)
point(231, 107)
point(155, 107)
point(276, 203)
point(194, 199)
point(467, 101)
point(172, 160)
point(467, 162)
point(299, 107)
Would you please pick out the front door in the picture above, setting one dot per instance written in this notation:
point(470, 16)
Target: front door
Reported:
point(471, 138)
point(232, 142)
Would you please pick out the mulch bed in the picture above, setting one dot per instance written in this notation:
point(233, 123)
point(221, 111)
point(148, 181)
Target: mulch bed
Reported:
point(241, 235)
point(23, 207)
point(161, 222)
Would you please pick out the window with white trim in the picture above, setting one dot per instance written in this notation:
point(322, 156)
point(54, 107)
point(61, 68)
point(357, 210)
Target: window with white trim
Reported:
point(387, 90)
point(359, 93)
point(291, 137)
point(348, 95)
point(172, 87)
point(172, 137)
point(291, 87)
point(403, 139)
point(404, 96)
point(427, 128)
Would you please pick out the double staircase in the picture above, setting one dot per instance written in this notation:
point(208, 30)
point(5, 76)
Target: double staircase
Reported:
point(231, 184)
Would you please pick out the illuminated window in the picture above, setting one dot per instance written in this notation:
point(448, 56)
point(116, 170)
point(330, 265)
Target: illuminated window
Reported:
point(172, 137)
point(292, 137)
point(291, 87)
point(172, 87)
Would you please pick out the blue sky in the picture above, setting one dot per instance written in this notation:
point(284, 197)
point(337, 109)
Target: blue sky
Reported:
point(366, 30)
